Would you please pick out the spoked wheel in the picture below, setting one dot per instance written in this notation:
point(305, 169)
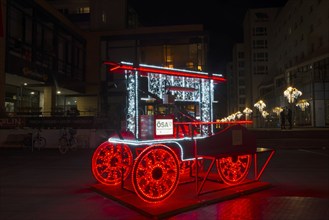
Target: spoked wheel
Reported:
point(39, 143)
point(111, 163)
point(73, 144)
point(155, 173)
point(233, 170)
point(63, 145)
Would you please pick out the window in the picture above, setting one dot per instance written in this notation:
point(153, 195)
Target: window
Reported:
point(259, 43)
point(260, 70)
point(320, 41)
point(259, 31)
point(241, 73)
point(242, 82)
point(311, 28)
point(261, 56)
point(242, 101)
point(301, 19)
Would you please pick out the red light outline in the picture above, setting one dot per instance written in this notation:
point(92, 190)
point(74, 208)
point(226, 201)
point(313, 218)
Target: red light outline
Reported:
point(233, 170)
point(143, 179)
point(109, 160)
point(172, 72)
point(213, 123)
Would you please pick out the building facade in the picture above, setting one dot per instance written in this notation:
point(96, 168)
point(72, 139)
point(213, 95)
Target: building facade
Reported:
point(288, 47)
point(52, 54)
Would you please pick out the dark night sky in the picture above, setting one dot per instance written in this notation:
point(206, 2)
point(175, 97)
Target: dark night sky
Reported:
point(222, 18)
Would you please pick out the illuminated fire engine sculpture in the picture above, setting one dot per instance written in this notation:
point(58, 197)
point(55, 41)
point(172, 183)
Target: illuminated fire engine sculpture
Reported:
point(161, 147)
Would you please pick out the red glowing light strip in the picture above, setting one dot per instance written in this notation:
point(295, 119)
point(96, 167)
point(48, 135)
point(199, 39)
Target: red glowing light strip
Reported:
point(258, 175)
point(177, 88)
point(163, 71)
point(212, 123)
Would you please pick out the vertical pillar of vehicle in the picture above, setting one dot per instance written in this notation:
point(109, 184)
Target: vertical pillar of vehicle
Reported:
point(136, 106)
point(132, 102)
point(205, 105)
point(211, 94)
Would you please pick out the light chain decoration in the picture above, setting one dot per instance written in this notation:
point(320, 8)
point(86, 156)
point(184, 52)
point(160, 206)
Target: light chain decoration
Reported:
point(132, 114)
point(205, 104)
point(157, 84)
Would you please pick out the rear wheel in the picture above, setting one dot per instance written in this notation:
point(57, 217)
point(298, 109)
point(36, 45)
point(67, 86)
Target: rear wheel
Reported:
point(155, 173)
point(234, 169)
point(111, 163)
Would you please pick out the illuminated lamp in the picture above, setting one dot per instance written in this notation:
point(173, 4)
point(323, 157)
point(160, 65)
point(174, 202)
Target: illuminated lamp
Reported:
point(265, 114)
point(277, 110)
point(302, 104)
point(238, 114)
point(292, 94)
point(247, 111)
point(260, 105)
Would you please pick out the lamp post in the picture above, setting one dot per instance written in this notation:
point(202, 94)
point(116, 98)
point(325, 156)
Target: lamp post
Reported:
point(291, 94)
point(247, 111)
point(260, 105)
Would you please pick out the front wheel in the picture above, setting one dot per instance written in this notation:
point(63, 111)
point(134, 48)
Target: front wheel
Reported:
point(155, 173)
point(39, 143)
point(63, 145)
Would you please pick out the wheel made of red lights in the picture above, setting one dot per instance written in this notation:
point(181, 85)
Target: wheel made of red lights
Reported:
point(234, 169)
point(155, 173)
point(109, 161)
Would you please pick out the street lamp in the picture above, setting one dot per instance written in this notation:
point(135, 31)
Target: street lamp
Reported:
point(247, 111)
point(265, 114)
point(292, 94)
point(302, 104)
point(260, 105)
point(238, 114)
point(277, 110)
